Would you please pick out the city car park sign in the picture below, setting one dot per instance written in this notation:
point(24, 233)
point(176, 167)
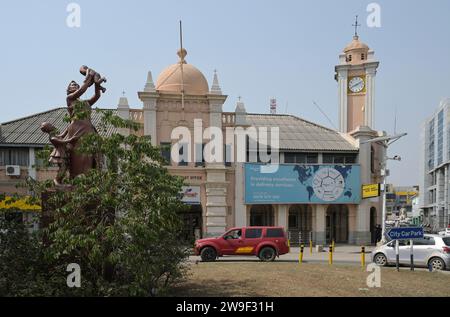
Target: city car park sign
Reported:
point(405, 233)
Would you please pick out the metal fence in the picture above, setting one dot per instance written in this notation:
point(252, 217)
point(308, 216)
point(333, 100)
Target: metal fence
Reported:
point(297, 237)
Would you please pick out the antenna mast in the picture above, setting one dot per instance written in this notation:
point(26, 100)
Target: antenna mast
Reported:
point(181, 65)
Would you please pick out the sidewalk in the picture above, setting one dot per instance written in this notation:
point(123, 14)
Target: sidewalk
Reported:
point(343, 254)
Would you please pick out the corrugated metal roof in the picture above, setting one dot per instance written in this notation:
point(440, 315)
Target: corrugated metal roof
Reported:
point(295, 133)
point(300, 134)
point(27, 131)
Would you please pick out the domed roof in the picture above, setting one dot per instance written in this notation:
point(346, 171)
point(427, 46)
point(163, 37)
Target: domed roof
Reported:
point(356, 44)
point(170, 80)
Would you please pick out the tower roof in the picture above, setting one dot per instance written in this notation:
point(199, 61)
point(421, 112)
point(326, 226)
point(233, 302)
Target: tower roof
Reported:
point(356, 44)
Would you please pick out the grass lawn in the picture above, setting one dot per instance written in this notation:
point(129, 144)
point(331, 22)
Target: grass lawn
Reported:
point(307, 279)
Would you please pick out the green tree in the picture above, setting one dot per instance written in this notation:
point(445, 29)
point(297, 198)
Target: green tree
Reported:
point(120, 222)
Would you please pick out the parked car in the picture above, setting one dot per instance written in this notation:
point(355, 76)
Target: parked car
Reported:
point(446, 232)
point(263, 242)
point(431, 250)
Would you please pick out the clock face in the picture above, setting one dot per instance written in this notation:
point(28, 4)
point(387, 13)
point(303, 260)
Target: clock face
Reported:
point(356, 84)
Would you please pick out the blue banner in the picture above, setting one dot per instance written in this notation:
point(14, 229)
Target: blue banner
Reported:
point(303, 184)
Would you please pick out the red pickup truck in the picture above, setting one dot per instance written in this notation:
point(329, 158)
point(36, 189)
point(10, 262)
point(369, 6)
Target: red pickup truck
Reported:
point(263, 242)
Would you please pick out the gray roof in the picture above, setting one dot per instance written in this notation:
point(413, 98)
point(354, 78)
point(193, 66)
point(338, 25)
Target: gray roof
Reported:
point(299, 134)
point(295, 133)
point(27, 131)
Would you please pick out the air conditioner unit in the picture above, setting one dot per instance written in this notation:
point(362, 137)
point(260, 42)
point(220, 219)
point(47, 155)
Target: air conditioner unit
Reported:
point(12, 170)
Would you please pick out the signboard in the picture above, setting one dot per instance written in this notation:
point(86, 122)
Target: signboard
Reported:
point(190, 195)
point(21, 204)
point(303, 184)
point(405, 233)
point(370, 191)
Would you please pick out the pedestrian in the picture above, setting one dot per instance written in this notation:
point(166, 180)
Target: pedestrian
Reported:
point(378, 233)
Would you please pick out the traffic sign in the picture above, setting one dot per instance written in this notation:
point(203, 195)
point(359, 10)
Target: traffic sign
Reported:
point(405, 233)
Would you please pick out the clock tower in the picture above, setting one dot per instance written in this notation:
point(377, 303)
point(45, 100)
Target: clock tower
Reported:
point(355, 75)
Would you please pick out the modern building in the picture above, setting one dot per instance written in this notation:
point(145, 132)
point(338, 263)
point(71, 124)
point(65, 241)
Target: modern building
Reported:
point(434, 172)
point(314, 191)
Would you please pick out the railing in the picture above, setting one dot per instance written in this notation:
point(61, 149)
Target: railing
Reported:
point(228, 118)
point(137, 115)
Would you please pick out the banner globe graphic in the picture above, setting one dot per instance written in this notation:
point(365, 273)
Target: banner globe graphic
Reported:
point(328, 184)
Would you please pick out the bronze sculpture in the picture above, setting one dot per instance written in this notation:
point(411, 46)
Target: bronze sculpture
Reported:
point(66, 144)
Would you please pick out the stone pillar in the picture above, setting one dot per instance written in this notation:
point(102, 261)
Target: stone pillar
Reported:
point(369, 114)
point(149, 98)
point(216, 200)
point(342, 78)
point(216, 185)
point(282, 216)
point(240, 211)
point(361, 233)
point(31, 163)
point(352, 225)
point(319, 236)
point(123, 111)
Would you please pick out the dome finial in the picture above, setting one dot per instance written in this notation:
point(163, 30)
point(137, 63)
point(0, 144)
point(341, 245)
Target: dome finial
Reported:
point(182, 54)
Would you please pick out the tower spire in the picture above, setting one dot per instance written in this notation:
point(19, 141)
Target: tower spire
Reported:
point(215, 88)
point(149, 85)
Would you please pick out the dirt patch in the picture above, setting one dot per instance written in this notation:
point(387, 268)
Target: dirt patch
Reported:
point(307, 279)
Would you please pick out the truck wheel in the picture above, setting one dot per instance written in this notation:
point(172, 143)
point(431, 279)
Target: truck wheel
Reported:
point(208, 254)
point(267, 254)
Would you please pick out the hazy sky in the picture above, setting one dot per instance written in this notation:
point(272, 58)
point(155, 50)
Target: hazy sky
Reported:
point(261, 49)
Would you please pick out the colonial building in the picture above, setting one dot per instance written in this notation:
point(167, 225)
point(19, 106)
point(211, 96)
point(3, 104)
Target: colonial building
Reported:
point(314, 192)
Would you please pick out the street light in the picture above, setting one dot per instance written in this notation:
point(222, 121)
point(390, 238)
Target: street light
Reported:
point(385, 141)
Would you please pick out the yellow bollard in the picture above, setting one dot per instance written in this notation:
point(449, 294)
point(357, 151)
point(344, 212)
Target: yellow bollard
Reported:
point(363, 257)
point(300, 255)
point(310, 246)
point(334, 249)
point(330, 255)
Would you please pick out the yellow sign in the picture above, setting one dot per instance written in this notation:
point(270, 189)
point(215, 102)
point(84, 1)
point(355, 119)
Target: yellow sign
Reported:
point(370, 190)
point(21, 204)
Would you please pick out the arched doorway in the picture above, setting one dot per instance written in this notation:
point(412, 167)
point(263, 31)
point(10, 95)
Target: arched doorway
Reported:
point(192, 224)
point(373, 225)
point(337, 224)
point(299, 223)
point(261, 215)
